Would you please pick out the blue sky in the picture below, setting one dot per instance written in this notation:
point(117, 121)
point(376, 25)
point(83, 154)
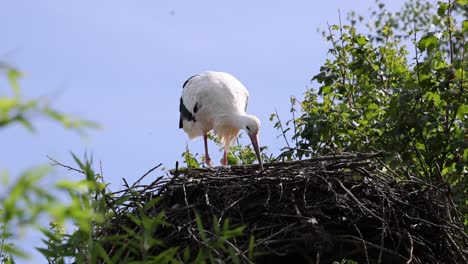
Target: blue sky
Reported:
point(123, 63)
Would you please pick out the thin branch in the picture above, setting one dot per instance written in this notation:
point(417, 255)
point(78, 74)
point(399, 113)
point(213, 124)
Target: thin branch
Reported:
point(283, 132)
point(411, 248)
point(449, 26)
point(361, 206)
point(56, 163)
point(146, 174)
point(416, 57)
point(293, 111)
point(353, 239)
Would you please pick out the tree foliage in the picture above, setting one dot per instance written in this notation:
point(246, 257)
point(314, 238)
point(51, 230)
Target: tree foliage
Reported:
point(25, 203)
point(15, 108)
point(400, 89)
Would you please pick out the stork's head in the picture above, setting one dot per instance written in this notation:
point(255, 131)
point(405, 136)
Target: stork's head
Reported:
point(251, 124)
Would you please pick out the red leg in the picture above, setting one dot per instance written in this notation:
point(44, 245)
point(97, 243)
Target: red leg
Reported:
point(227, 145)
point(207, 156)
point(225, 159)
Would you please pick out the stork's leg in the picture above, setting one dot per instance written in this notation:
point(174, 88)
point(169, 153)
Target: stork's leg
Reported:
point(225, 156)
point(225, 160)
point(207, 156)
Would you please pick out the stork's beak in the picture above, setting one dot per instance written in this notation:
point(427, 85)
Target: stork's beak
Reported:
point(254, 139)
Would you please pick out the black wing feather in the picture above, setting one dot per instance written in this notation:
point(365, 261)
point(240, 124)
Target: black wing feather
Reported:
point(184, 112)
point(185, 83)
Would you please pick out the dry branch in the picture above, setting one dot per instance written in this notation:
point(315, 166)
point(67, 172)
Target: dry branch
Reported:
point(318, 210)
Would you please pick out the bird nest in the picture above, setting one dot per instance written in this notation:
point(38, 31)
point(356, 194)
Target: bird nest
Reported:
point(319, 210)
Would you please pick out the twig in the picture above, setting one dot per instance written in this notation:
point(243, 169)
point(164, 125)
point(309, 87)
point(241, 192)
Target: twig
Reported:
point(126, 184)
point(224, 170)
point(382, 240)
point(363, 243)
point(144, 175)
point(283, 132)
point(229, 207)
point(417, 58)
point(353, 239)
point(361, 206)
point(151, 185)
point(202, 242)
point(100, 170)
point(238, 251)
point(410, 258)
point(449, 26)
point(457, 248)
point(293, 111)
point(420, 157)
point(274, 234)
point(186, 200)
point(56, 163)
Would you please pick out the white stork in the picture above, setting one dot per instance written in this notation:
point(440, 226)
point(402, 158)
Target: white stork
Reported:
point(218, 101)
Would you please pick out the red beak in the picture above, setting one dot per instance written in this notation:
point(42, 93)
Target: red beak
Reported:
point(254, 139)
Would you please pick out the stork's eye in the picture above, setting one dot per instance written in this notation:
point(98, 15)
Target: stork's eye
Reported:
point(248, 128)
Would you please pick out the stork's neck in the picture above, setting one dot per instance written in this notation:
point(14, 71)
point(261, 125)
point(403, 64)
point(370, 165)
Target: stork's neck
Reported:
point(231, 120)
point(237, 120)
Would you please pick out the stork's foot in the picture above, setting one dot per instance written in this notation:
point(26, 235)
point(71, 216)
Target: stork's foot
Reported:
point(208, 162)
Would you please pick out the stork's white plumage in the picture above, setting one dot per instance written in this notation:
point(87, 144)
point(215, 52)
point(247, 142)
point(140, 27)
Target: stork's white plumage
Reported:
point(218, 101)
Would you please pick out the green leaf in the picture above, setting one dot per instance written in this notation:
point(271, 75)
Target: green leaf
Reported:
point(462, 111)
point(434, 97)
point(26, 123)
point(442, 8)
point(7, 104)
point(250, 252)
point(76, 187)
point(101, 252)
point(4, 179)
point(46, 252)
point(272, 116)
point(69, 122)
point(361, 40)
point(192, 162)
point(465, 25)
point(77, 160)
point(462, 2)
point(53, 237)
point(7, 248)
point(167, 256)
point(201, 229)
point(152, 202)
point(186, 255)
point(232, 160)
point(13, 76)
point(65, 120)
point(428, 42)
point(234, 232)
